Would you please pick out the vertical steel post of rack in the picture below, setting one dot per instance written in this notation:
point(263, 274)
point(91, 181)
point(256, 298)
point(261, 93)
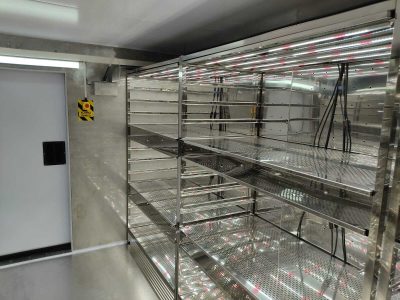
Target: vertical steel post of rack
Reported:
point(377, 232)
point(388, 256)
point(127, 132)
point(181, 96)
point(379, 229)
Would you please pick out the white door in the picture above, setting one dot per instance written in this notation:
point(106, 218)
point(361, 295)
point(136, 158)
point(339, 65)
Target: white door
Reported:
point(34, 197)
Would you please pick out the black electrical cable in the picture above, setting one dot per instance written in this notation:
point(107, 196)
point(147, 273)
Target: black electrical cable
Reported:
point(328, 135)
point(300, 223)
point(326, 112)
point(212, 115)
point(331, 228)
point(330, 106)
point(346, 132)
point(344, 245)
point(216, 106)
point(338, 92)
point(336, 240)
point(346, 115)
point(222, 112)
point(209, 183)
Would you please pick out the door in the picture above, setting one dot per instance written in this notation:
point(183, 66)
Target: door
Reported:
point(34, 187)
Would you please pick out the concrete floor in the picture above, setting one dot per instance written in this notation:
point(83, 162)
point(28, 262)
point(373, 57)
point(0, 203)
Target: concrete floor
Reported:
point(107, 274)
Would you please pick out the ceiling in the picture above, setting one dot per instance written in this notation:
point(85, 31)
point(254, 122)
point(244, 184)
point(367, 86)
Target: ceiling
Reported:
point(167, 26)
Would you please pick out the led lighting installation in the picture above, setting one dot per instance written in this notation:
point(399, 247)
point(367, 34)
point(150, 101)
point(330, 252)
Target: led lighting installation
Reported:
point(316, 57)
point(13, 60)
point(59, 11)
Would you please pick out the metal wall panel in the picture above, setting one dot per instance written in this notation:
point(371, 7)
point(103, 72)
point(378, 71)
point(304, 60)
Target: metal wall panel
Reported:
point(98, 162)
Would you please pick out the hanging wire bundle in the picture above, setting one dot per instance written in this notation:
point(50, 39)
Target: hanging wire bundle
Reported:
point(339, 95)
point(223, 111)
point(214, 108)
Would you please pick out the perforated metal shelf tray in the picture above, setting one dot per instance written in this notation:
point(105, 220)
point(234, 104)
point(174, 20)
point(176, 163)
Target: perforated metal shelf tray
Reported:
point(358, 169)
point(272, 264)
point(171, 131)
point(154, 185)
point(194, 283)
point(350, 172)
point(351, 215)
point(167, 209)
point(164, 202)
point(160, 250)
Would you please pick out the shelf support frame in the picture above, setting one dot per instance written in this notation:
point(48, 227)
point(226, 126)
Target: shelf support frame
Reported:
point(383, 225)
point(388, 254)
point(182, 95)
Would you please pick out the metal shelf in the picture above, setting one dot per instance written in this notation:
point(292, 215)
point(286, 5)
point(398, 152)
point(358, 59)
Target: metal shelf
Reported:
point(276, 161)
point(351, 215)
point(247, 243)
point(349, 172)
point(198, 203)
point(205, 206)
point(272, 264)
point(194, 283)
point(167, 208)
point(153, 185)
point(157, 242)
point(165, 134)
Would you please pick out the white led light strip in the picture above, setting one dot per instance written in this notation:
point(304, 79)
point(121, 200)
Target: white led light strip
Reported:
point(333, 37)
point(304, 65)
point(313, 51)
point(376, 49)
point(14, 60)
point(345, 46)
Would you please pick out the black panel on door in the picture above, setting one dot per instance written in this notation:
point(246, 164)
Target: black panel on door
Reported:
point(54, 153)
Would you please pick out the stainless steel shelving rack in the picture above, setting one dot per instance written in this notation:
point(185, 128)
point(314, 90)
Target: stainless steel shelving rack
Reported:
point(238, 188)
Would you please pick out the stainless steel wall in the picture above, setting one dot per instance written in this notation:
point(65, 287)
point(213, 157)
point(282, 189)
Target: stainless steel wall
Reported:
point(97, 162)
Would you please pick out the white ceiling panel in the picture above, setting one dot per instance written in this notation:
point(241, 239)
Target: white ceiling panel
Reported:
point(170, 26)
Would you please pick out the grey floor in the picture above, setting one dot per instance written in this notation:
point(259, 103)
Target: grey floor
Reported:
point(99, 275)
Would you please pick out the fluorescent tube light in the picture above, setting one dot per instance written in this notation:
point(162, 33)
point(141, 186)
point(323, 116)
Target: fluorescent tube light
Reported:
point(14, 60)
point(39, 10)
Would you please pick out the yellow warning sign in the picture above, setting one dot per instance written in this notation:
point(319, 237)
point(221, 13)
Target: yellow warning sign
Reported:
point(85, 110)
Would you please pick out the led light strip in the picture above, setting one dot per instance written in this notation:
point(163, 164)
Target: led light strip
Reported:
point(362, 43)
point(375, 49)
point(273, 64)
point(333, 37)
point(334, 67)
point(14, 60)
point(349, 58)
point(361, 74)
point(345, 46)
point(351, 71)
